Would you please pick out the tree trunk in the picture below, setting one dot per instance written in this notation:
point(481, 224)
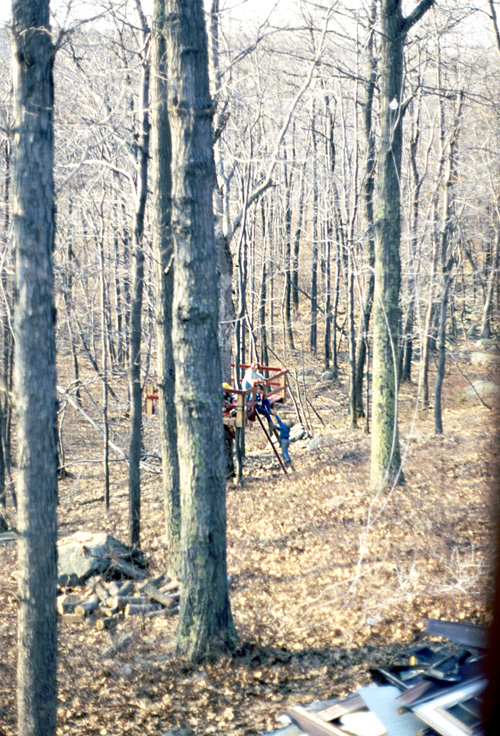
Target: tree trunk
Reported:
point(447, 261)
point(368, 191)
point(105, 392)
point(490, 289)
point(161, 155)
point(287, 265)
point(35, 376)
point(385, 452)
point(313, 334)
point(264, 355)
point(296, 239)
point(135, 443)
point(205, 622)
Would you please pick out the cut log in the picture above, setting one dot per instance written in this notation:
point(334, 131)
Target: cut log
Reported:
point(88, 606)
point(126, 588)
point(67, 603)
point(122, 601)
point(140, 609)
point(171, 611)
point(101, 592)
point(172, 585)
point(156, 595)
point(113, 588)
point(106, 623)
point(71, 618)
point(109, 612)
point(157, 582)
point(127, 569)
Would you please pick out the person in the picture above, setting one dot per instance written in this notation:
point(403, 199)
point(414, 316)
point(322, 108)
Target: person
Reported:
point(284, 432)
point(250, 379)
point(228, 399)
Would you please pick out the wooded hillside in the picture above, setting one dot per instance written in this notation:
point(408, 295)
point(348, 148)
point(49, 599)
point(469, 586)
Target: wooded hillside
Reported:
point(188, 192)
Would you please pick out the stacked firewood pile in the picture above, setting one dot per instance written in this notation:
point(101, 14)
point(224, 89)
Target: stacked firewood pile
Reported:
point(105, 602)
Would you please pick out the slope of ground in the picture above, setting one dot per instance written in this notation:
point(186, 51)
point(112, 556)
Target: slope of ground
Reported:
point(327, 579)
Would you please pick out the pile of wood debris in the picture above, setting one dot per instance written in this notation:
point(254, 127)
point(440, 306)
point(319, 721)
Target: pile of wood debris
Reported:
point(102, 579)
point(436, 691)
point(107, 602)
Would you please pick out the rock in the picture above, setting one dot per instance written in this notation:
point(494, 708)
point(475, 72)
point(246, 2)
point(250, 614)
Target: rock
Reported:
point(125, 671)
point(298, 432)
point(320, 441)
point(492, 342)
point(85, 554)
point(485, 359)
point(329, 376)
point(483, 388)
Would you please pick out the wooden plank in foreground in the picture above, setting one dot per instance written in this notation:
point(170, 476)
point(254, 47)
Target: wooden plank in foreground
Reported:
point(312, 724)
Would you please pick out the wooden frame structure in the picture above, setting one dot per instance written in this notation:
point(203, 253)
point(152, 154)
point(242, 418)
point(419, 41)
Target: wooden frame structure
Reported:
point(241, 409)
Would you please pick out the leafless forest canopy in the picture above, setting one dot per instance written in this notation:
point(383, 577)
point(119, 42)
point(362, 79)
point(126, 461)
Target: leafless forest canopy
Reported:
point(324, 573)
point(312, 80)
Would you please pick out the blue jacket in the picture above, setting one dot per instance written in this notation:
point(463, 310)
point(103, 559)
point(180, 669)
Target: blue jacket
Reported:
point(284, 430)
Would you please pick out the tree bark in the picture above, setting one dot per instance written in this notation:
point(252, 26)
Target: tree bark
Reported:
point(35, 375)
point(313, 330)
point(205, 625)
point(135, 442)
point(161, 154)
point(385, 452)
point(368, 192)
point(447, 261)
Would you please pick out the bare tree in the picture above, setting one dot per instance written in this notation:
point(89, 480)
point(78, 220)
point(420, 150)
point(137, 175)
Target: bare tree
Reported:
point(35, 376)
point(135, 444)
point(205, 622)
point(385, 452)
point(161, 154)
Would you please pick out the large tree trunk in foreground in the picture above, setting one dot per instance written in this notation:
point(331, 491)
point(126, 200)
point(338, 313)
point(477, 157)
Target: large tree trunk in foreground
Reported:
point(35, 378)
point(205, 622)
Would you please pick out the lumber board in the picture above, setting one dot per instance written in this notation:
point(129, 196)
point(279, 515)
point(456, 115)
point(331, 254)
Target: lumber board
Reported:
point(311, 724)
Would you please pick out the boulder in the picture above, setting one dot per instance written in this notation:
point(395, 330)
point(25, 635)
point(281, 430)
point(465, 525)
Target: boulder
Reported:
point(488, 342)
point(483, 388)
point(297, 432)
point(485, 359)
point(85, 554)
point(320, 441)
point(329, 375)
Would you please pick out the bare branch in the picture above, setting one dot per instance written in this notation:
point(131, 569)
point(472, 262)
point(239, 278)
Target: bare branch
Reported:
point(419, 11)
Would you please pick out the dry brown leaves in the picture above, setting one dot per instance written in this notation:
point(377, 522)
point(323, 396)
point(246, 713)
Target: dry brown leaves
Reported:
point(328, 580)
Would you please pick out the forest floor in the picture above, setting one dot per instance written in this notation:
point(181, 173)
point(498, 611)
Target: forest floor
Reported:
point(328, 580)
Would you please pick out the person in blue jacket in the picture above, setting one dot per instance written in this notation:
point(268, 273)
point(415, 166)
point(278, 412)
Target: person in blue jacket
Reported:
point(253, 378)
point(284, 431)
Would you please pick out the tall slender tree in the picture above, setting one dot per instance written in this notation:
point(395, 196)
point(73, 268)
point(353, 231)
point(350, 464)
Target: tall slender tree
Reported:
point(135, 443)
point(385, 452)
point(205, 622)
point(161, 154)
point(35, 375)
